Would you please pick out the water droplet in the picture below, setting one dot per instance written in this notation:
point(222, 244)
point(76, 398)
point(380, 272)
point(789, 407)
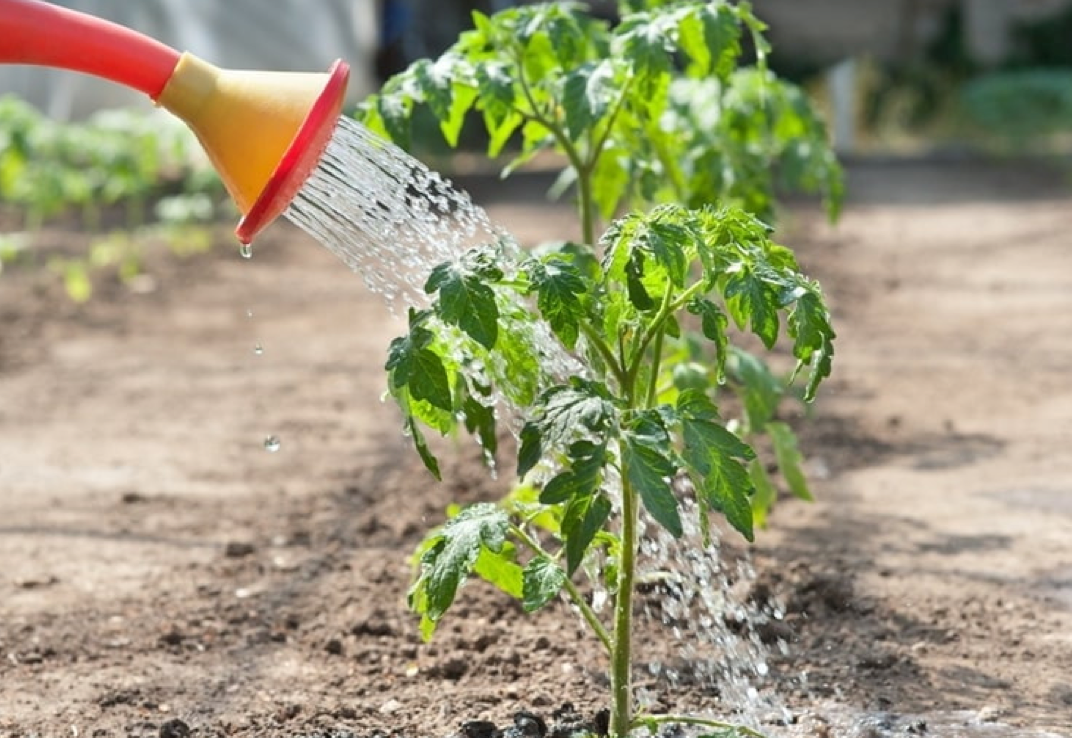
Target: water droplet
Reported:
point(258, 349)
point(272, 444)
point(249, 313)
point(246, 251)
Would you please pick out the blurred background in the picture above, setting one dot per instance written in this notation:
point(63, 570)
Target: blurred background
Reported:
point(888, 71)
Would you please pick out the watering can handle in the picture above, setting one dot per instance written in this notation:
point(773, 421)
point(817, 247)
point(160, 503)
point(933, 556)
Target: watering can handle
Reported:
point(39, 33)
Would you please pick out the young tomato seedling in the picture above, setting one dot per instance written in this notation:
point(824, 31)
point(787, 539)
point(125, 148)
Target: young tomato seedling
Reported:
point(660, 128)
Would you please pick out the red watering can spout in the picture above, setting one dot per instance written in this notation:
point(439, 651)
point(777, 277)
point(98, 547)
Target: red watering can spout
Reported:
point(263, 131)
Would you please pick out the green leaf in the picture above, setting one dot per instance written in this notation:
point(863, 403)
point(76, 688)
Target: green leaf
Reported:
point(434, 82)
point(704, 437)
point(465, 301)
point(499, 568)
point(559, 287)
point(611, 179)
point(480, 421)
point(809, 325)
point(588, 94)
point(711, 452)
point(713, 325)
point(646, 459)
point(727, 487)
point(542, 580)
point(414, 365)
point(429, 459)
point(453, 553)
point(566, 412)
point(583, 476)
point(462, 98)
point(582, 519)
point(765, 495)
point(789, 459)
point(394, 110)
point(752, 300)
point(531, 449)
point(760, 390)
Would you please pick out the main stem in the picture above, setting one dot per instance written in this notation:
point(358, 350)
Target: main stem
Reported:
point(621, 717)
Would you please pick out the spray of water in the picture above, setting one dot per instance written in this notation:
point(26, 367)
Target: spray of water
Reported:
point(386, 215)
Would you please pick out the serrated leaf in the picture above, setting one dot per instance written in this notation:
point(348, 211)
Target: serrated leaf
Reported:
point(809, 325)
point(789, 459)
point(587, 95)
point(646, 459)
point(465, 301)
point(566, 412)
point(414, 365)
point(582, 519)
point(727, 488)
point(583, 476)
point(559, 286)
point(752, 301)
point(711, 452)
point(713, 325)
point(452, 556)
point(705, 438)
point(542, 580)
point(500, 569)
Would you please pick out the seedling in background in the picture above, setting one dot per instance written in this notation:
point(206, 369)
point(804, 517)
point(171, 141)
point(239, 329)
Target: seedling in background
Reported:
point(653, 116)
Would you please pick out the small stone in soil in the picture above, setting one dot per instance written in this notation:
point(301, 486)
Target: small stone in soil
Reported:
point(453, 669)
point(479, 729)
point(334, 647)
point(528, 725)
point(238, 549)
point(174, 729)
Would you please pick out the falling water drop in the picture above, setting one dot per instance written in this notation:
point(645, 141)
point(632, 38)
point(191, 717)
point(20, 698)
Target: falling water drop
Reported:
point(258, 349)
point(246, 250)
point(249, 314)
point(272, 444)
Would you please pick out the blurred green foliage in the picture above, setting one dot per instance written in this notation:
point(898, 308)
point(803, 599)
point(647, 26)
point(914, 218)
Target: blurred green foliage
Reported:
point(143, 170)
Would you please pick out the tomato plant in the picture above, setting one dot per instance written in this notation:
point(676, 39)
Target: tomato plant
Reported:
point(673, 144)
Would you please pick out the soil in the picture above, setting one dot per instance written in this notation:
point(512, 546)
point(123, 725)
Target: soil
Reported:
point(163, 574)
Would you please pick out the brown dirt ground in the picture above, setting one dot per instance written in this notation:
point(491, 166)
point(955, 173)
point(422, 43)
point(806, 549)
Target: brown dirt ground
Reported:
point(156, 563)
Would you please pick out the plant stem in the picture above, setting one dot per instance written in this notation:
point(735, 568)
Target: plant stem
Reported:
point(575, 595)
point(651, 720)
point(656, 360)
point(584, 172)
point(621, 716)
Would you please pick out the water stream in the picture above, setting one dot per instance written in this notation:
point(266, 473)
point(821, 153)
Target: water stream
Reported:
point(391, 220)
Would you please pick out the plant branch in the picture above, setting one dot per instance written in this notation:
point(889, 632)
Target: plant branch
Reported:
point(656, 361)
point(584, 176)
point(575, 595)
point(621, 719)
point(652, 720)
point(654, 328)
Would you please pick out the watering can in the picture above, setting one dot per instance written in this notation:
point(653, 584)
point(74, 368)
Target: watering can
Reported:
point(263, 131)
